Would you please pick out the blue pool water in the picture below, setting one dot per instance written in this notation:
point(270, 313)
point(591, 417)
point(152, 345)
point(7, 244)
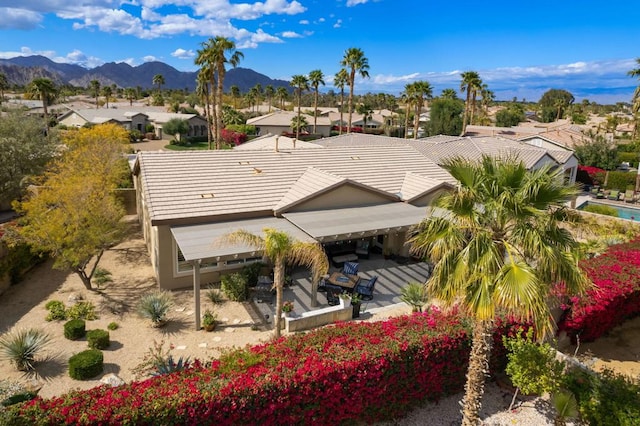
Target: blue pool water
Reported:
point(623, 212)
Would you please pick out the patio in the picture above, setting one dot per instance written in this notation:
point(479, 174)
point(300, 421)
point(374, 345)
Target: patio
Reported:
point(392, 277)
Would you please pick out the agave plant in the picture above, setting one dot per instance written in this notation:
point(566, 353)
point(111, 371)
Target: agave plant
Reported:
point(155, 306)
point(21, 347)
point(415, 295)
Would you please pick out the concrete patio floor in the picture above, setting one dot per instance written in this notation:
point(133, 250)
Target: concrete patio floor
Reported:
point(392, 277)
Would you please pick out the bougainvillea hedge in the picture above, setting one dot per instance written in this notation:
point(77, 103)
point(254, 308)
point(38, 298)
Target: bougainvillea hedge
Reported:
point(614, 298)
point(348, 373)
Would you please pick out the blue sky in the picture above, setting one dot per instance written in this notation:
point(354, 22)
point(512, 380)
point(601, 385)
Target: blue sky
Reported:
point(520, 49)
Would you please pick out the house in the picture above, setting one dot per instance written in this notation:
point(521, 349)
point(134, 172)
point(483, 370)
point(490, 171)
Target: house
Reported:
point(279, 122)
point(275, 143)
point(188, 199)
point(440, 148)
point(134, 118)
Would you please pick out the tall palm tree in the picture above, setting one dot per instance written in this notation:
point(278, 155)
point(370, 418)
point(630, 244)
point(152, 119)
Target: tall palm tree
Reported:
point(340, 80)
point(203, 91)
point(408, 98)
point(94, 89)
point(635, 101)
point(422, 91)
point(355, 61)
point(4, 85)
point(281, 248)
point(159, 81)
point(224, 53)
point(500, 248)
point(470, 83)
point(449, 94)
point(282, 94)
point(130, 94)
point(45, 90)
point(269, 92)
point(107, 92)
point(366, 111)
point(300, 83)
point(316, 78)
point(235, 94)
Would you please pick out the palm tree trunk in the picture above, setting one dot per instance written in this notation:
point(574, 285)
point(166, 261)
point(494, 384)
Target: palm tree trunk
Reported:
point(315, 111)
point(218, 115)
point(417, 121)
point(477, 372)
point(278, 280)
point(406, 120)
point(341, 109)
point(351, 82)
point(298, 123)
point(466, 111)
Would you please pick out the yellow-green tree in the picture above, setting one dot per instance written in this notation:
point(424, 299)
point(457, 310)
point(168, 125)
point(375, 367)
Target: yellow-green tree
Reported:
point(73, 214)
point(281, 248)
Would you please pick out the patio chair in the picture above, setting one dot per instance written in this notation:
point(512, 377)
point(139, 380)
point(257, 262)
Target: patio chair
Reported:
point(362, 249)
point(629, 196)
point(350, 268)
point(613, 195)
point(365, 288)
point(333, 293)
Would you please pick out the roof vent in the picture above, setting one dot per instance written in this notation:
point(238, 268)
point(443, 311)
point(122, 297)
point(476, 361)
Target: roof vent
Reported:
point(244, 162)
point(209, 195)
point(355, 157)
point(257, 171)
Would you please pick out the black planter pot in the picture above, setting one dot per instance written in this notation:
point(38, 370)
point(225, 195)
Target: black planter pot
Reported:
point(356, 310)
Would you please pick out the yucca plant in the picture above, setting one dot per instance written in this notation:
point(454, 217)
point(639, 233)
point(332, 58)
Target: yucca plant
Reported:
point(155, 307)
point(415, 295)
point(21, 347)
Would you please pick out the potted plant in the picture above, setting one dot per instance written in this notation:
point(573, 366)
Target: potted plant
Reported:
point(287, 307)
point(356, 302)
point(209, 320)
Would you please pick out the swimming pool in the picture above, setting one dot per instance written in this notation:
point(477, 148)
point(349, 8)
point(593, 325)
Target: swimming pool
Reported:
point(623, 212)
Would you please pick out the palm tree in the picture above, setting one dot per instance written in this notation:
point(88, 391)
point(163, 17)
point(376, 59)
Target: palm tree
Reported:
point(300, 84)
point(366, 111)
point(316, 78)
point(282, 249)
point(340, 80)
point(449, 94)
point(422, 91)
point(203, 92)
point(408, 97)
point(106, 92)
point(130, 94)
point(499, 249)
point(356, 62)
point(635, 101)
point(470, 83)
point(298, 123)
point(45, 90)
point(158, 80)
point(235, 94)
point(4, 85)
point(269, 91)
point(282, 94)
point(94, 88)
point(222, 47)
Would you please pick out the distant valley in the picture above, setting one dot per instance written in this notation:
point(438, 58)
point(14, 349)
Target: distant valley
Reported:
point(23, 69)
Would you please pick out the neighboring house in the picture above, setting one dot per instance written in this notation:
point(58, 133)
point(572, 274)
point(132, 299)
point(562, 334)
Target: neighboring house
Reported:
point(188, 200)
point(279, 122)
point(133, 119)
point(440, 148)
point(275, 143)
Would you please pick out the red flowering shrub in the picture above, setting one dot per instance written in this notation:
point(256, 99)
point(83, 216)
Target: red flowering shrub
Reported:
point(615, 297)
point(342, 374)
point(232, 137)
point(590, 175)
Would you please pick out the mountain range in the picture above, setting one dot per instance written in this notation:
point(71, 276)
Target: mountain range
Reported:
point(22, 70)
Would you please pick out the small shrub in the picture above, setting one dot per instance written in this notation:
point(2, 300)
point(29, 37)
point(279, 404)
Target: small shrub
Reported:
point(57, 311)
point(601, 209)
point(98, 339)
point(251, 272)
point(158, 361)
point(86, 364)
point(113, 326)
point(168, 365)
point(82, 310)
point(234, 286)
point(74, 329)
point(415, 295)
point(215, 296)
point(22, 346)
point(101, 276)
point(155, 307)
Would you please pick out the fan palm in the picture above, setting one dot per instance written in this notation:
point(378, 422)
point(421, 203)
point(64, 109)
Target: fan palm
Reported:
point(355, 61)
point(300, 83)
point(422, 91)
point(470, 84)
point(316, 78)
point(340, 80)
point(282, 94)
point(45, 90)
point(94, 88)
point(282, 248)
point(500, 247)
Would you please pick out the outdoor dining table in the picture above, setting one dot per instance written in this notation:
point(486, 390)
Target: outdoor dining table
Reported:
point(347, 282)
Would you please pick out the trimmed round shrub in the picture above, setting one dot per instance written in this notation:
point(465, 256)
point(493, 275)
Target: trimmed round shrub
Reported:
point(74, 329)
point(86, 364)
point(113, 326)
point(98, 339)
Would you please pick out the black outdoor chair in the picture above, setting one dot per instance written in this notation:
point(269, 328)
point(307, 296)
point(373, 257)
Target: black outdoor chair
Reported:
point(333, 293)
point(350, 268)
point(365, 288)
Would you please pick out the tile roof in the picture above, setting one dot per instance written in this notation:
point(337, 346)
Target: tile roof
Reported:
point(268, 142)
point(283, 118)
point(204, 184)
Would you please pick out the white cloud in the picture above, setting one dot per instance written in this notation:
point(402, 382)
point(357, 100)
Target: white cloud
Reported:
point(149, 58)
point(18, 19)
point(183, 54)
point(351, 3)
point(253, 39)
point(321, 20)
point(291, 34)
point(338, 23)
point(390, 79)
point(26, 51)
point(304, 22)
point(222, 9)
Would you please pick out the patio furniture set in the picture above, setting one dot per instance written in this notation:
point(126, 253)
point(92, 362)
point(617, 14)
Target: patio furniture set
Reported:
point(347, 281)
point(628, 196)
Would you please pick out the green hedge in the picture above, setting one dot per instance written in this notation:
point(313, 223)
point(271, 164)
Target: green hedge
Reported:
point(98, 339)
point(74, 329)
point(235, 287)
point(86, 365)
point(618, 180)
